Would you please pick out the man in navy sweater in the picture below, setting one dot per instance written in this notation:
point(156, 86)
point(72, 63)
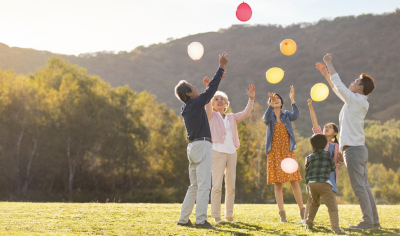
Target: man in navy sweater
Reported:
point(199, 149)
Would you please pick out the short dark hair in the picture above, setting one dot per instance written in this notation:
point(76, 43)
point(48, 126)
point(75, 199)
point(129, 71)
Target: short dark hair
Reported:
point(181, 89)
point(368, 83)
point(269, 100)
point(318, 141)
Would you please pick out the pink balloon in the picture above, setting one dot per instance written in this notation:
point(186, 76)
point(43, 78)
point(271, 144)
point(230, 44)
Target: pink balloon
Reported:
point(289, 165)
point(243, 12)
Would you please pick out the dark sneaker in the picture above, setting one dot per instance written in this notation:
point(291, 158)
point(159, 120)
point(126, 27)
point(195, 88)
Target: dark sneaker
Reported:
point(339, 232)
point(206, 225)
point(189, 224)
point(377, 226)
point(309, 228)
point(362, 226)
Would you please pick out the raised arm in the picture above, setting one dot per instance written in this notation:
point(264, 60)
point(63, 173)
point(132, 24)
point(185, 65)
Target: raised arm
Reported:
point(293, 116)
point(246, 112)
point(322, 68)
point(343, 92)
point(312, 114)
point(270, 110)
point(206, 96)
point(208, 106)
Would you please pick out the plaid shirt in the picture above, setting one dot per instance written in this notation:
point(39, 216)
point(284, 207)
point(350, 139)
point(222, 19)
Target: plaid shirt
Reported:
point(319, 165)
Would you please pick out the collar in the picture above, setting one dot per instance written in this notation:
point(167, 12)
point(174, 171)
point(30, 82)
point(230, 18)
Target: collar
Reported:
point(362, 96)
point(318, 150)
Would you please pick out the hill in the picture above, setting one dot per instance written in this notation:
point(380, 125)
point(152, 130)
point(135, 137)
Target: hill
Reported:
point(359, 44)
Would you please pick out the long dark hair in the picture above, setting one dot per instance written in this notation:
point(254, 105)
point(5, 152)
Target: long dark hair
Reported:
point(336, 130)
point(269, 100)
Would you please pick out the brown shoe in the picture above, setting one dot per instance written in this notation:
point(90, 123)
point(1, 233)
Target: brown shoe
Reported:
point(282, 214)
point(188, 224)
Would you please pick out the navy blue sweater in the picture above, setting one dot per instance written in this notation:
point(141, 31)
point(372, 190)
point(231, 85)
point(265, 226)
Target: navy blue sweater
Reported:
point(193, 111)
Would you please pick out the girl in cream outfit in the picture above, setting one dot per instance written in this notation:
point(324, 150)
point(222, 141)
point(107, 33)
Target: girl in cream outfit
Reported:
point(225, 139)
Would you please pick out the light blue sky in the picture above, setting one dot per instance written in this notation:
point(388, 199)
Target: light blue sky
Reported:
point(79, 26)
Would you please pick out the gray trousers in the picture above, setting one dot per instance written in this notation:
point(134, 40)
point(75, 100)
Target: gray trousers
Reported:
point(200, 162)
point(356, 158)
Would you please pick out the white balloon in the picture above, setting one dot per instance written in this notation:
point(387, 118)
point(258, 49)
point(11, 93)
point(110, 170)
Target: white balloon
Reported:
point(289, 165)
point(195, 50)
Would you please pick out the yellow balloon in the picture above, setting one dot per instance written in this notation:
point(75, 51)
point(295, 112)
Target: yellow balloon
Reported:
point(319, 92)
point(274, 75)
point(288, 47)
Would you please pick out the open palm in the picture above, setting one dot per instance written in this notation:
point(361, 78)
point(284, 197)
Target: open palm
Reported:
point(251, 92)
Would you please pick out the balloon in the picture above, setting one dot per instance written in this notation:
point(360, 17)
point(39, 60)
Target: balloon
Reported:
point(289, 165)
point(319, 92)
point(243, 12)
point(195, 50)
point(288, 47)
point(274, 75)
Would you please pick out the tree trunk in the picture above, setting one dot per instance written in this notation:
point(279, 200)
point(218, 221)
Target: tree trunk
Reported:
point(28, 167)
point(17, 180)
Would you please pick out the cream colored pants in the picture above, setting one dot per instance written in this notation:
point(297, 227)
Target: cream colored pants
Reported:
point(223, 163)
point(199, 155)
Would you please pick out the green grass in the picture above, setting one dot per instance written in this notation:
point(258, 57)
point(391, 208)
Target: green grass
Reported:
point(161, 219)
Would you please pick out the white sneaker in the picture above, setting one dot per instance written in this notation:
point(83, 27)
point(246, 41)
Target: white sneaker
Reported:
point(232, 221)
point(217, 220)
point(302, 222)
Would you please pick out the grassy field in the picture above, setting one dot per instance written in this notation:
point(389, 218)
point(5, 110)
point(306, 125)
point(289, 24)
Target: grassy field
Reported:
point(161, 219)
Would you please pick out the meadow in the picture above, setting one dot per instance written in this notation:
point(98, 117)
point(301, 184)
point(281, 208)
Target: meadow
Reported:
point(160, 219)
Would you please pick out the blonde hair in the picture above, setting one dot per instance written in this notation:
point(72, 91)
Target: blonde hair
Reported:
point(224, 96)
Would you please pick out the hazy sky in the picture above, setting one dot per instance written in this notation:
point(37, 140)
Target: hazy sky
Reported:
point(79, 26)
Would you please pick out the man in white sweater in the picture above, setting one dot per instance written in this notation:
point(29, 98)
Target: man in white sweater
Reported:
point(352, 137)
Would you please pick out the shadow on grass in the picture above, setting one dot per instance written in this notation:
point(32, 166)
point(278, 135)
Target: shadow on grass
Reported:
point(320, 229)
point(381, 231)
point(246, 226)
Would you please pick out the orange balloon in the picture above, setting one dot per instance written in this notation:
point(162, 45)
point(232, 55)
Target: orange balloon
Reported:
point(288, 47)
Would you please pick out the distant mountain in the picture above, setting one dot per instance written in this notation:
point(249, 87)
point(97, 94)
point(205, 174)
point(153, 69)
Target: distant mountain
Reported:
point(363, 44)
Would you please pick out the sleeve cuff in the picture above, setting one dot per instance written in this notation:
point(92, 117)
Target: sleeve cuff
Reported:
point(317, 130)
point(335, 76)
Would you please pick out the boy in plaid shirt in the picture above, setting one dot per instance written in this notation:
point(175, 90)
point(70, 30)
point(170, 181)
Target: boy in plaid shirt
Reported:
point(319, 165)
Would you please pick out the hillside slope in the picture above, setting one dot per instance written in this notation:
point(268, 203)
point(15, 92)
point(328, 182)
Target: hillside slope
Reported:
point(363, 44)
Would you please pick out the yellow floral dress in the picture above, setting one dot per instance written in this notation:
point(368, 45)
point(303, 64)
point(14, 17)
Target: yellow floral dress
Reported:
point(280, 151)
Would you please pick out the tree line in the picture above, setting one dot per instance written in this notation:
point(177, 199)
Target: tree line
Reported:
point(68, 136)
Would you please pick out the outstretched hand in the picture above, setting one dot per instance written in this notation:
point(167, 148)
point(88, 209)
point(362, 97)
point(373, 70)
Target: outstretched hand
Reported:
point(327, 58)
point(222, 60)
point(251, 92)
point(206, 81)
point(309, 101)
point(340, 157)
point(291, 94)
point(322, 68)
point(272, 96)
